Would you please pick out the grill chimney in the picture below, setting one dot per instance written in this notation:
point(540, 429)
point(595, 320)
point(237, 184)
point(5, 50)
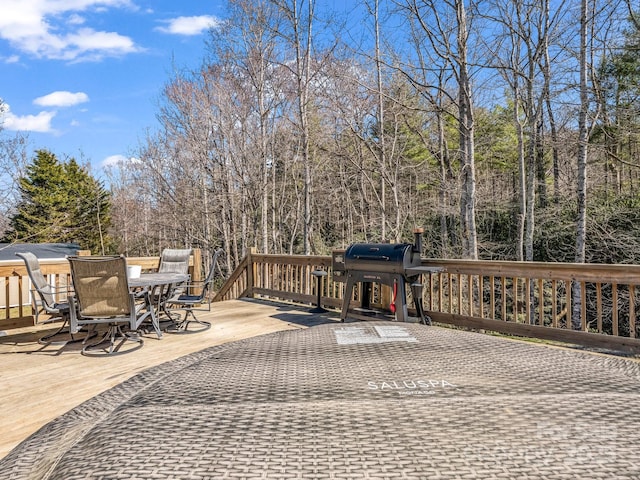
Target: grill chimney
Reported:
point(417, 242)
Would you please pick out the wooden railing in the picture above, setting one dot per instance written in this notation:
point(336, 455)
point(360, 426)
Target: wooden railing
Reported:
point(16, 305)
point(521, 298)
point(286, 277)
point(535, 300)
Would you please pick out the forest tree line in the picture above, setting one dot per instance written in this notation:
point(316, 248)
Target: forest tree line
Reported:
point(507, 129)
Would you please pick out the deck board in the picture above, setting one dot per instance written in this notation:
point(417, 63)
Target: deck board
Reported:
point(39, 383)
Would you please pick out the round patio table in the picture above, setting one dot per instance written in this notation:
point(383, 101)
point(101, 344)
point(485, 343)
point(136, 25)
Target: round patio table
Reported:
point(374, 400)
point(159, 285)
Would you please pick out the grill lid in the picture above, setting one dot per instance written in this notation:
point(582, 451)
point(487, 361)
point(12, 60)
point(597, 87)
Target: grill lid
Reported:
point(379, 252)
point(381, 257)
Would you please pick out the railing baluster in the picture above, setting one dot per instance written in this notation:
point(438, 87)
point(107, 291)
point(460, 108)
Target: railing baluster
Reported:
point(568, 311)
point(459, 280)
point(493, 298)
point(481, 295)
point(503, 292)
point(632, 311)
point(515, 283)
point(470, 283)
point(554, 303)
point(583, 309)
point(527, 300)
point(290, 278)
point(430, 277)
point(614, 312)
point(541, 301)
point(441, 292)
point(20, 298)
point(450, 293)
point(599, 306)
point(7, 307)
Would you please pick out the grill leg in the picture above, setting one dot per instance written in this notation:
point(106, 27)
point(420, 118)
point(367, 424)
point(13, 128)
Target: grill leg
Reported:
point(348, 295)
point(365, 301)
point(402, 313)
point(416, 291)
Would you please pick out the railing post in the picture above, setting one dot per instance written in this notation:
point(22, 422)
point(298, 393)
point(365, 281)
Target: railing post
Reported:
point(252, 272)
point(196, 270)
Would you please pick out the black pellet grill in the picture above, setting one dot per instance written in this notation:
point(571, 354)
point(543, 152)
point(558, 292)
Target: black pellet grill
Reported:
point(392, 264)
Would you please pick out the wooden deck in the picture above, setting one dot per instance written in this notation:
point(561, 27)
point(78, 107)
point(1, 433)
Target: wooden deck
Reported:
point(38, 383)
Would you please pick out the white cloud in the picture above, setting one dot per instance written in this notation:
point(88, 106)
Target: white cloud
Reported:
point(52, 29)
point(27, 123)
point(61, 99)
point(117, 160)
point(11, 59)
point(87, 39)
point(189, 25)
point(76, 19)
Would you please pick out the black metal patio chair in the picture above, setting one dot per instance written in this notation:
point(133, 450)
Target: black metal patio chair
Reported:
point(44, 299)
point(195, 297)
point(102, 296)
point(172, 260)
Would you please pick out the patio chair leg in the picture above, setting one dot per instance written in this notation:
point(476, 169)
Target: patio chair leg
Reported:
point(65, 329)
point(115, 331)
point(182, 326)
point(186, 322)
point(45, 340)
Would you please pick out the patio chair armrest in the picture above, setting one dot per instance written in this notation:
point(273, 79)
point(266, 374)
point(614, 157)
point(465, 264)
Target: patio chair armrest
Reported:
point(54, 289)
point(73, 314)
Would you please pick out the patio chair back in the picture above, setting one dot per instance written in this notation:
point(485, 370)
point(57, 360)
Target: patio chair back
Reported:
point(44, 298)
point(101, 286)
point(39, 281)
point(189, 302)
point(102, 295)
point(210, 275)
point(174, 260)
point(204, 286)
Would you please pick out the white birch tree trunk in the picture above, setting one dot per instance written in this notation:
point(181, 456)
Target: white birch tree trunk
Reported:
point(583, 139)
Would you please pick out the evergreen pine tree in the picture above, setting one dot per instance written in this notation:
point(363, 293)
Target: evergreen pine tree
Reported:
point(61, 202)
point(90, 207)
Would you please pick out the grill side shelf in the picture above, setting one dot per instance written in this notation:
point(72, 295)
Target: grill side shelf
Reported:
point(418, 270)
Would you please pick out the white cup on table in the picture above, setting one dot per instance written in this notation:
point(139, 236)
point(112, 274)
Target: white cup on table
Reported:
point(133, 271)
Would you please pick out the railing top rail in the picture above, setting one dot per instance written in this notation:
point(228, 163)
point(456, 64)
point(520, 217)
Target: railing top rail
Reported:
point(290, 259)
point(4, 263)
point(585, 272)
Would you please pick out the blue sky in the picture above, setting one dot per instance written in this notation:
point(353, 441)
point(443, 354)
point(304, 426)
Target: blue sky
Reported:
point(83, 78)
